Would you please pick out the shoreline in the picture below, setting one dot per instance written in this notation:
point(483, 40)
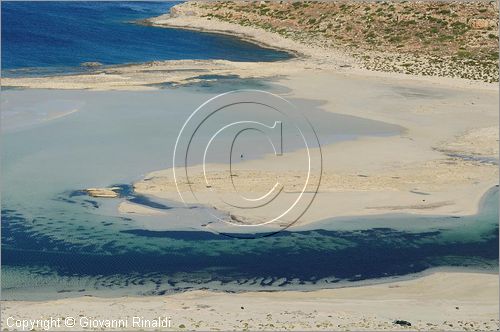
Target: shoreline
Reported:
point(277, 25)
point(241, 36)
point(430, 301)
point(145, 75)
point(344, 284)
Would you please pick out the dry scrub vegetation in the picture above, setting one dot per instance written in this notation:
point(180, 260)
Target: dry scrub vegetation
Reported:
point(454, 39)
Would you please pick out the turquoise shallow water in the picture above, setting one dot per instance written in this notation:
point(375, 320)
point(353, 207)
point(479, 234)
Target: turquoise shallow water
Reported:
point(57, 242)
point(114, 138)
point(155, 263)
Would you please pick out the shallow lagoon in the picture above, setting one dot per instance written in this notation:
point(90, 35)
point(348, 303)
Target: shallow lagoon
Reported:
point(164, 262)
point(57, 243)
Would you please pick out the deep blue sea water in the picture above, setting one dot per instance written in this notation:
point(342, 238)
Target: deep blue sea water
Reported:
point(59, 36)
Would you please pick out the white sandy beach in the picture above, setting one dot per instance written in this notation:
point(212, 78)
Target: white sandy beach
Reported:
point(425, 158)
point(440, 301)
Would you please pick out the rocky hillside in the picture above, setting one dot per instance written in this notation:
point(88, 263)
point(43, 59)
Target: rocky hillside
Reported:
point(454, 39)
